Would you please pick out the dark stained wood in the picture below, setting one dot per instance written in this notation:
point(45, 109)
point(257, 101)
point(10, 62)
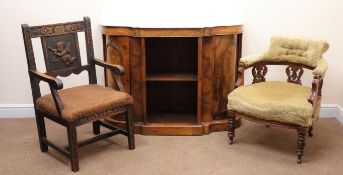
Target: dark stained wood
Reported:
point(73, 147)
point(57, 29)
point(294, 73)
point(62, 58)
point(41, 131)
point(61, 52)
point(231, 131)
point(301, 143)
point(259, 72)
point(180, 78)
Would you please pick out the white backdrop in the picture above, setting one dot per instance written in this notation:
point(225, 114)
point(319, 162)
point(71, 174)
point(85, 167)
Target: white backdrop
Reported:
point(262, 19)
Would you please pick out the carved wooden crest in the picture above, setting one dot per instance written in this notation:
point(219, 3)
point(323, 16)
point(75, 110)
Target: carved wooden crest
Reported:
point(294, 73)
point(259, 72)
point(57, 29)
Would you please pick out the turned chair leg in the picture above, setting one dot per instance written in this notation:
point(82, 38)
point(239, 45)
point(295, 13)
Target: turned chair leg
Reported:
point(130, 128)
point(301, 143)
point(41, 131)
point(231, 131)
point(73, 147)
point(96, 127)
point(310, 131)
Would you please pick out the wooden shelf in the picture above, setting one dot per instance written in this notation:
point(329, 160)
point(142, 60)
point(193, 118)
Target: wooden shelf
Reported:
point(172, 77)
point(172, 118)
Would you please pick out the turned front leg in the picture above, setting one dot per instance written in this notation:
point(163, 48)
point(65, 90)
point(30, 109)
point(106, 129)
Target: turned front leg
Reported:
point(301, 143)
point(231, 130)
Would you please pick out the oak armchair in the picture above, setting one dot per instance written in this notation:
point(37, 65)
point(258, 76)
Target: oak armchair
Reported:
point(72, 107)
point(283, 104)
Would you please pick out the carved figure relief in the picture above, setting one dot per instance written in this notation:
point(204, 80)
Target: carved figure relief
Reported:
point(62, 51)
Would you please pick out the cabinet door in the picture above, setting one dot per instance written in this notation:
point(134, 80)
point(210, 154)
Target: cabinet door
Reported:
point(218, 74)
point(224, 71)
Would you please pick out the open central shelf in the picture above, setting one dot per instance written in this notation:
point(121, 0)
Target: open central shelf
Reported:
point(171, 79)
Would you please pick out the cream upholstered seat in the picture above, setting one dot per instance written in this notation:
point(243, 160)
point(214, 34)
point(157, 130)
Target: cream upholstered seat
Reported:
point(285, 104)
point(84, 101)
point(275, 101)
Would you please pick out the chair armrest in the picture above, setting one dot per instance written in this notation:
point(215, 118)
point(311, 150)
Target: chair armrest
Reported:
point(55, 85)
point(251, 60)
point(321, 68)
point(52, 81)
point(117, 69)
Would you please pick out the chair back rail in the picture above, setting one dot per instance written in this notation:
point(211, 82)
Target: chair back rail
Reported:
point(259, 70)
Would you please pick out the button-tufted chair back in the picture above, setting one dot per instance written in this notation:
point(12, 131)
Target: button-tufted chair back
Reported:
point(302, 50)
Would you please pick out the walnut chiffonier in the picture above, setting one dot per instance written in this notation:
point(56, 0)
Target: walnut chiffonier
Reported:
point(179, 77)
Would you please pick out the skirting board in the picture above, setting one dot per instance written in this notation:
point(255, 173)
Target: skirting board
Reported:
point(26, 111)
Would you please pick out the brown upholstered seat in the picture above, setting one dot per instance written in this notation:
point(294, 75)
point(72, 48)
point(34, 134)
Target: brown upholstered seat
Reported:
point(83, 101)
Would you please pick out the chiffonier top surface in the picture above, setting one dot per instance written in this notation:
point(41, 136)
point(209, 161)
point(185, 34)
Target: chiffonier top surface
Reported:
point(178, 31)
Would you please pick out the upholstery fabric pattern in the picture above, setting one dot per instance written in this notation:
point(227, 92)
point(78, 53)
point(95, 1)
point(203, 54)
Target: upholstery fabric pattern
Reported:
point(83, 101)
point(275, 101)
point(296, 49)
point(301, 50)
point(251, 59)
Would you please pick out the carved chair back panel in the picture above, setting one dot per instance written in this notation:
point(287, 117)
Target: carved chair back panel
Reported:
point(61, 47)
point(294, 71)
point(61, 52)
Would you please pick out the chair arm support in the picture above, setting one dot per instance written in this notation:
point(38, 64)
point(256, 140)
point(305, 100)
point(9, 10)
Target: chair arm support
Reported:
point(316, 92)
point(52, 81)
point(117, 69)
point(240, 76)
point(55, 85)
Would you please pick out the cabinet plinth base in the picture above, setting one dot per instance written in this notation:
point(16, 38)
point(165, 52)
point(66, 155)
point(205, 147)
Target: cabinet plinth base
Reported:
point(177, 129)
